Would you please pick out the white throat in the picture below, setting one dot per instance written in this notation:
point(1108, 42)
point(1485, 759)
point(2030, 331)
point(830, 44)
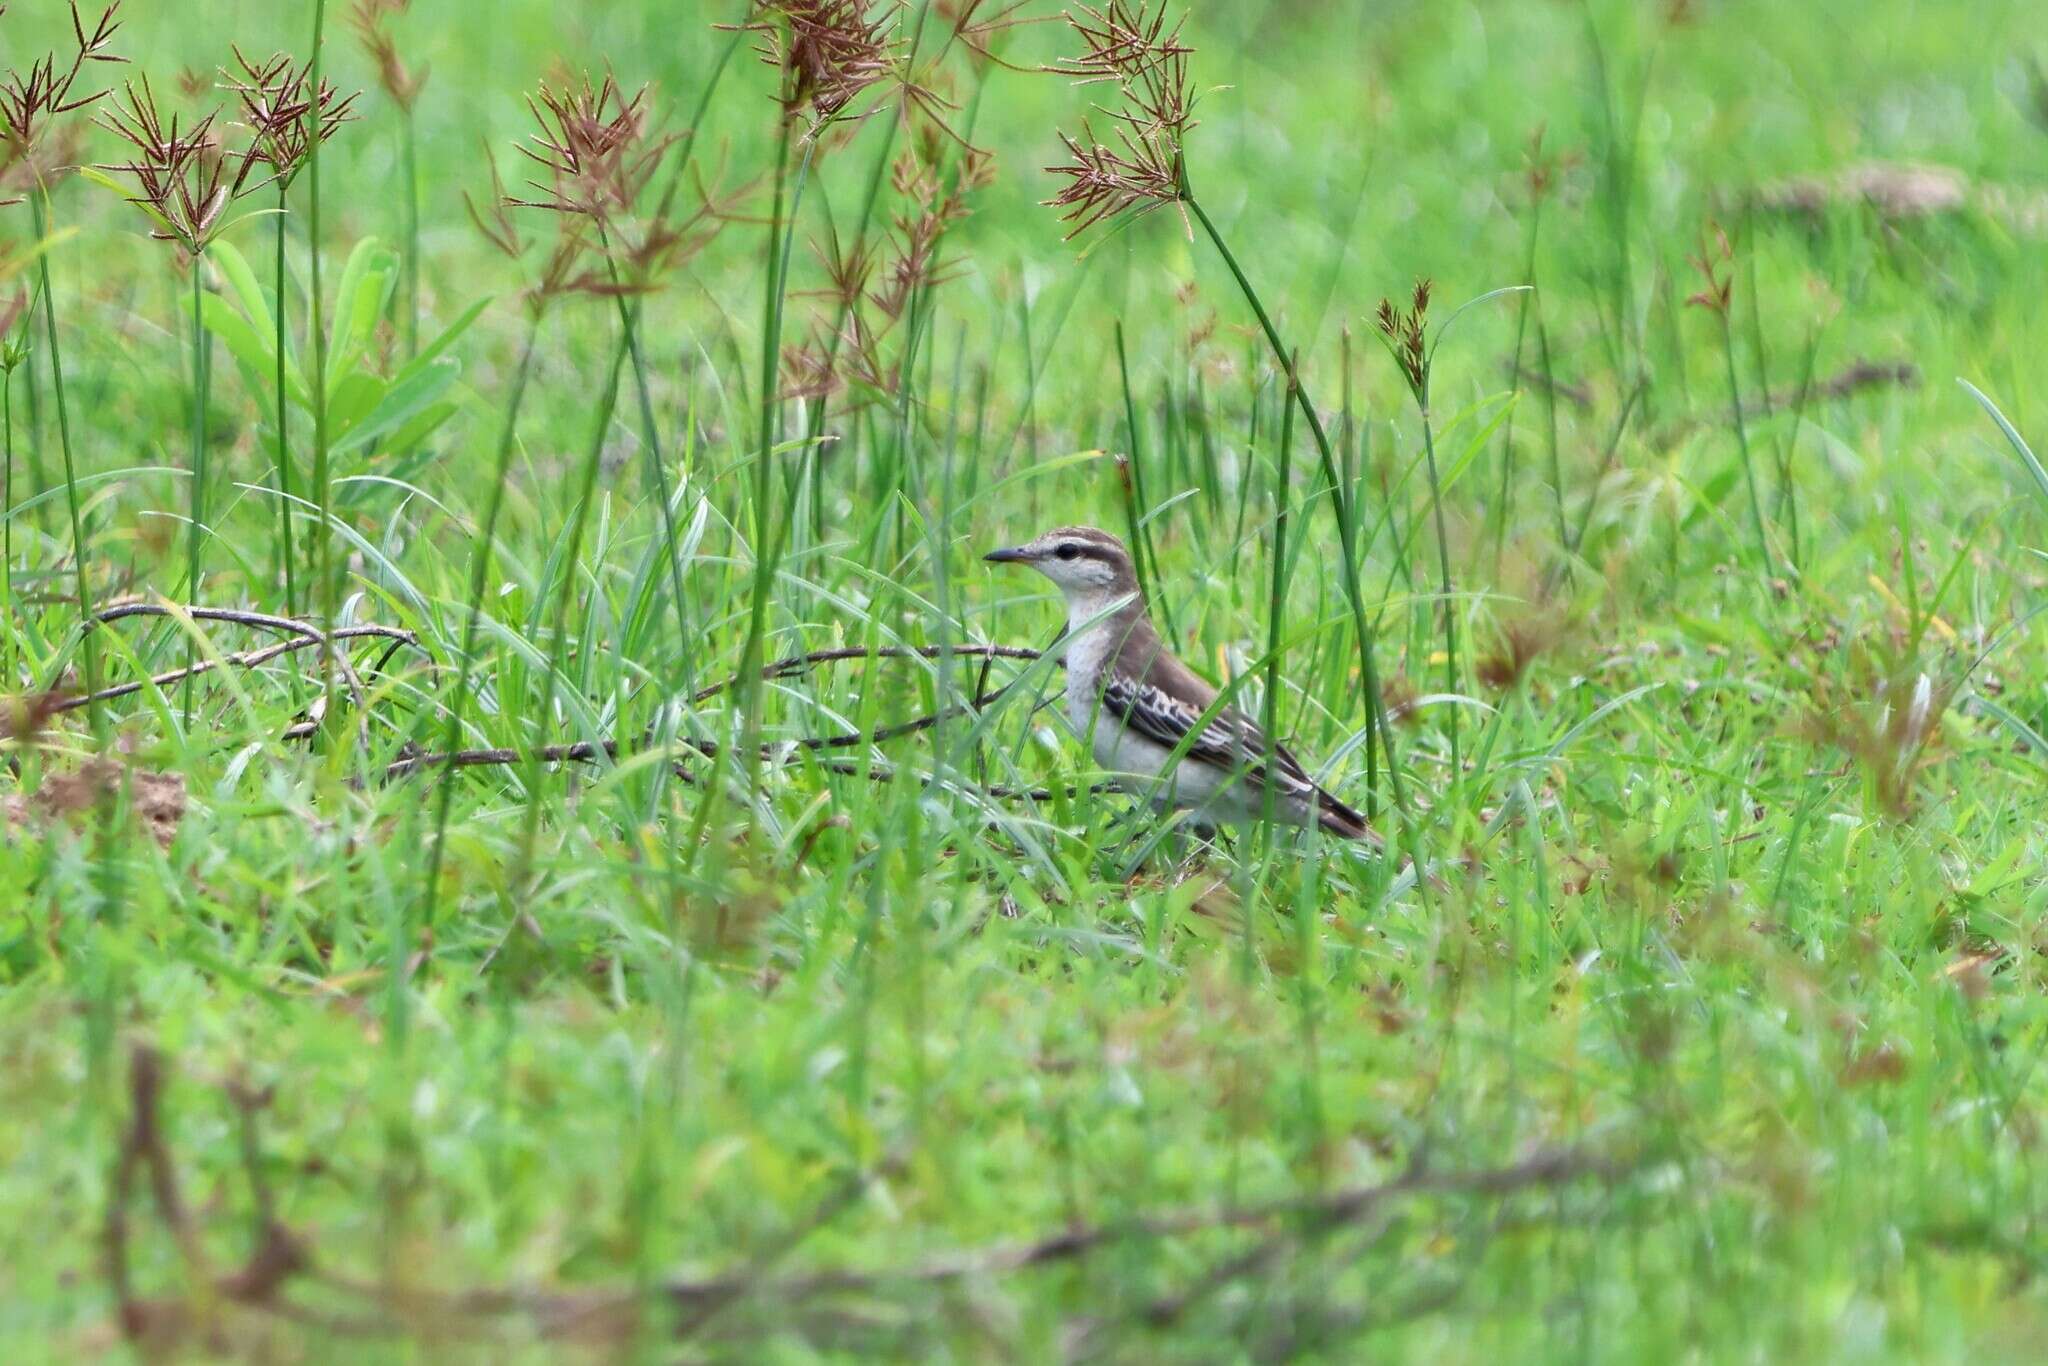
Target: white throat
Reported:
point(1090, 610)
point(1095, 626)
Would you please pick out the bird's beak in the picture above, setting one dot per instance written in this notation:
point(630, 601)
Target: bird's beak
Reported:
point(1016, 554)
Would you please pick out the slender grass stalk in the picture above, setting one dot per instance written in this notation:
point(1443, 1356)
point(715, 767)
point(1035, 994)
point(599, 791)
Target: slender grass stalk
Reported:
point(1405, 334)
point(286, 501)
point(323, 489)
point(815, 433)
point(558, 641)
point(657, 468)
point(102, 972)
point(409, 167)
point(479, 580)
point(1607, 459)
point(38, 468)
point(1144, 556)
point(764, 529)
point(9, 680)
point(877, 175)
point(629, 326)
point(1276, 598)
point(195, 530)
point(1756, 505)
point(1786, 506)
point(1507, 440)
point(88, 607)
point(685, 148)
point(1554, 448)
point(1445, 585)
point(1340, 505)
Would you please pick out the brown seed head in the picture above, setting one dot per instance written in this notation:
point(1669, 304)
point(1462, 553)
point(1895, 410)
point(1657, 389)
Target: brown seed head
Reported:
point(980, 30)
point(31, 100)
point(1129, 44)
point(1407, 334)
point(593, 142)
point(1124, 42)
point(1541, 170)
point(1887, 717)
point(184, 180)
point(568, 256)
point(876, 283)
point(24, 719)
point(1521, 642)
point(1103, 182)
point(402, 83)
point(276, 98)
point(600, 155)
point(1711, 259)
point(828, 51)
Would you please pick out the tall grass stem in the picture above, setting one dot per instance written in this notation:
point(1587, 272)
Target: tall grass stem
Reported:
point(763, 525)
point(286, 501)
point(195, 530)
point(323, 555)
point(1340, 504)
point(88, 607)
point(1756, 505)
point(1445, 585)
point(565, 593)
point(408, 151)
point(479, 580)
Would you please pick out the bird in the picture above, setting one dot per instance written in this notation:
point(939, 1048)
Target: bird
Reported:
point(1135, 703)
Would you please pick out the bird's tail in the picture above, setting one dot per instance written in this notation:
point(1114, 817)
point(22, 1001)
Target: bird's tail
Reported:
point(1340, 820)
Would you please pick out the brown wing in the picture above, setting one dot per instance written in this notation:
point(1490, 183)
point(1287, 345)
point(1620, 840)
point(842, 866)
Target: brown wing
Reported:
point(1162, 699)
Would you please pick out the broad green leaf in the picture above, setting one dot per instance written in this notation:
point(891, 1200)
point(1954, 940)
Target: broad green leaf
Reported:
point(342, 329)
point(422, 426)
point(354, 398)
point(436, 348)
point(373, 291)
point(359, 262)
point(403, 403)
point(252, 348)
point(234, 268)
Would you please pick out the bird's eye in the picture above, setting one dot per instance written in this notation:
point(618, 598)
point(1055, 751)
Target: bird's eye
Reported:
point(1067, 551)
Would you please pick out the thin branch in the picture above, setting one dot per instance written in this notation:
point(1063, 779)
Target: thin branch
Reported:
point(245, 659)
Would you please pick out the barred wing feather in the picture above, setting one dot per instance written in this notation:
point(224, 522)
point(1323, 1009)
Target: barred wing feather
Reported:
point(1230, 740)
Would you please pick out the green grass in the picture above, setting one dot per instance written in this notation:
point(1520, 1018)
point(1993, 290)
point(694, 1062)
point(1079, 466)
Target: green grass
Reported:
point(1722, 902)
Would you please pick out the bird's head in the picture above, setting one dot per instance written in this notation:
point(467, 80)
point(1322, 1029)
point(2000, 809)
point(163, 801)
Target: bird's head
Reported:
point(1091, 567)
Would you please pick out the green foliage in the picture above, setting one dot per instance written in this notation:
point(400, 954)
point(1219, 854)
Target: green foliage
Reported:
point(367, 411)
point(925, 1049)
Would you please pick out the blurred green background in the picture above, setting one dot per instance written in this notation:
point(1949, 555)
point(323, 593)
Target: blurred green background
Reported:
point(1804, 1018)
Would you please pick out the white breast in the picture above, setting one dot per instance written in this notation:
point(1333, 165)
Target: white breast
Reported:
point(1087, 652)
point(1117, 750)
